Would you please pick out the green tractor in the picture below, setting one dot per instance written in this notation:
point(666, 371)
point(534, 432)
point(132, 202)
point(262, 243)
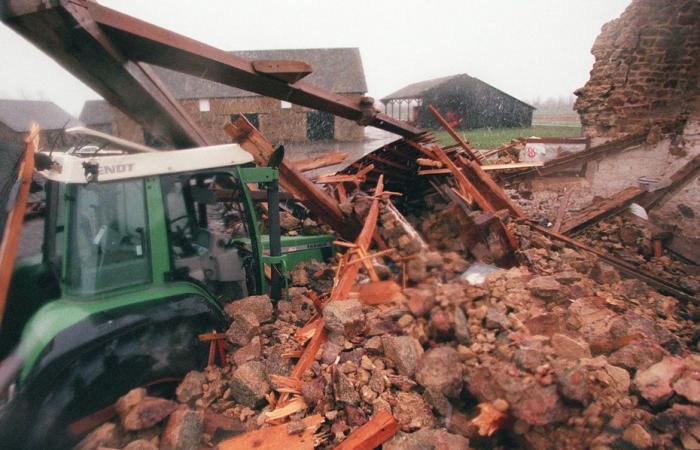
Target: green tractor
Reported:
point(133, 268)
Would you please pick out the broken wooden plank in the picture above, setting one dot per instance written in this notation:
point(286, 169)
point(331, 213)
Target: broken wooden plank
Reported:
point(277, 437)
point(380, 428)
point(434, 172)
point(467, 189)
point(441, 120)
point(15, 218)
point(388, 162)
point(502, 148)
point(333, 178)
point(519, 165)
point(602, 209)
point(563, 205)
point(344, 284)
point(292, 407)
point(325, 160)
point(427, 162)
point(378, 292)
point(486, 185)
point(287, 383)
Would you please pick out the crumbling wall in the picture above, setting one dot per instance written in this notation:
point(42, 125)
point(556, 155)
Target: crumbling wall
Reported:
point(646, 70)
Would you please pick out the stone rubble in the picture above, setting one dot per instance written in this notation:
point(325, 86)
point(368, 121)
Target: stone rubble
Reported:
point(557, 351)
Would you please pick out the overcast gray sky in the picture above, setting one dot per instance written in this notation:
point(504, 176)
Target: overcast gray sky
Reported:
point(527, 48)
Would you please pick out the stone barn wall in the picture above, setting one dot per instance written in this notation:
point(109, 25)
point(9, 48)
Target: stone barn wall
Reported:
point(276, 123)
point(646, 70)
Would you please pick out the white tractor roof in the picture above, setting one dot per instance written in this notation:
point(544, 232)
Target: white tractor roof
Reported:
point(95, 136)
point(67, 168)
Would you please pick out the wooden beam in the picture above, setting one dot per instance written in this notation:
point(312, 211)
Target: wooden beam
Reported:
point(466, 187)
point(292, 407)
point(626, 268)
point(428, 162)
point(519, 165)
point(555, 165)
point(489, 188)
point(333, 179)
point(441, 120)
point(602, 209)
point(305, 191)
point(563, 205)
point(434, 172)
point(380, 428)
point(277, 437)
point(342, 288)
point(388, 162)
point(15, 218)
point(325, 160)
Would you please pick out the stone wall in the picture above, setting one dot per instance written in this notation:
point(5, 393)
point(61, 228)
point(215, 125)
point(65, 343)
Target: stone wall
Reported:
point(276, 123)
point(646, 70)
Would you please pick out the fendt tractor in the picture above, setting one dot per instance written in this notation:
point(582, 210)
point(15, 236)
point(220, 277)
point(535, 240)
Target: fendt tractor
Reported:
point(135, 264)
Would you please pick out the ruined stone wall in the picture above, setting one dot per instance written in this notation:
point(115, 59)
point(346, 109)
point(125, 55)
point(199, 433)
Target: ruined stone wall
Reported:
point(646, 70)
point(276, 123)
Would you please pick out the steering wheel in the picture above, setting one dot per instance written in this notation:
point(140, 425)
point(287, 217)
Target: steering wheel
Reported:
point(172, 221)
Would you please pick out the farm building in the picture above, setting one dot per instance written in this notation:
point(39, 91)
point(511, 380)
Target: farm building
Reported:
point(466, 102)
point(212, 105)
point(97, 114)
point(16, 117)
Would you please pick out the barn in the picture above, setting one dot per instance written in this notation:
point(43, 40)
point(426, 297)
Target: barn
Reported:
point(212, 105)
point(465, 101)
point(97, 114)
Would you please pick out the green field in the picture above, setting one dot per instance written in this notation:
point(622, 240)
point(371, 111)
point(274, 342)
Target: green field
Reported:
point(484, 138)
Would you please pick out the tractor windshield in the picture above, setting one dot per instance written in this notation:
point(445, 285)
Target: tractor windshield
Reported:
point(107, 243)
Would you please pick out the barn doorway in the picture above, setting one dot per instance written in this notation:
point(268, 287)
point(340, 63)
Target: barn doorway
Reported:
point(319, 125)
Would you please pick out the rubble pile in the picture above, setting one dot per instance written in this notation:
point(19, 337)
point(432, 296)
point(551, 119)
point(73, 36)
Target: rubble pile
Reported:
point(632, 239)
point(559, 352)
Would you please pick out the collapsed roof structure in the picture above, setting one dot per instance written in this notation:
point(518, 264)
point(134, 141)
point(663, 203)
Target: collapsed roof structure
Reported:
point(574, 340)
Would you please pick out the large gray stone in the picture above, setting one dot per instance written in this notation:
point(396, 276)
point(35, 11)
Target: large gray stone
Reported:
point(259, 305)
point(183, 431)
point(249, 384)
point(404, 352)
point(344, 317)
point(440, 369)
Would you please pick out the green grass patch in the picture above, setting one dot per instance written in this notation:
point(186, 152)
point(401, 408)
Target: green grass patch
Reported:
point(484, 138)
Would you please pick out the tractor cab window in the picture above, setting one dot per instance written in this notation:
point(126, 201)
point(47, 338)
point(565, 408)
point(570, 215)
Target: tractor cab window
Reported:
point(205, 215)
point(107, 245)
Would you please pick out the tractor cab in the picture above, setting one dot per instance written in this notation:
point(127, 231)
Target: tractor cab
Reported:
point(145, 216)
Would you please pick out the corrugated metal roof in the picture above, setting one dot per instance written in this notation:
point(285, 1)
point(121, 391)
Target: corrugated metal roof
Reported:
point(338, 70)
point(417, 90)
point(96, 112)
point(18, 115)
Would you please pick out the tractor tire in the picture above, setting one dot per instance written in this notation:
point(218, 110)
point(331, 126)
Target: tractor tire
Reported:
point(40, 415)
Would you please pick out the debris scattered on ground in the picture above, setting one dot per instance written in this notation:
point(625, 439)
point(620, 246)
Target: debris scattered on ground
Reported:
point(394, 346)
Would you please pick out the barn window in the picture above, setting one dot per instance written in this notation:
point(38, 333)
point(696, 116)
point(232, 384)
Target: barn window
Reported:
point(319, 125)
point(285, 105)
point(252, 118)
point(204, 105)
